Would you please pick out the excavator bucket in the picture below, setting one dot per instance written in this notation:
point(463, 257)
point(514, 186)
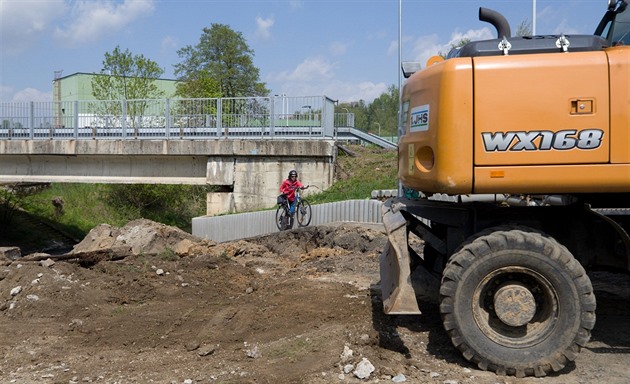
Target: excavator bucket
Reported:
point(399, 297)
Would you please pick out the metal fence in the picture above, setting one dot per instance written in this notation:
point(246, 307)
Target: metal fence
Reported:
point(247, 117)
point(221, 228)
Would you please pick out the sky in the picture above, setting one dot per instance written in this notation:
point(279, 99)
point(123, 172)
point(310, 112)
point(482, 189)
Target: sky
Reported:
point(346, 50)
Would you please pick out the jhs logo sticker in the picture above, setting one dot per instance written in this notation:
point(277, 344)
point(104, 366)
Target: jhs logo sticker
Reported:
point(542, 140)
point(419, 119)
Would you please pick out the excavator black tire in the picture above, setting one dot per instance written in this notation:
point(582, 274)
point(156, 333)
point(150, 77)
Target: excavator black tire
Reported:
point(517, 303)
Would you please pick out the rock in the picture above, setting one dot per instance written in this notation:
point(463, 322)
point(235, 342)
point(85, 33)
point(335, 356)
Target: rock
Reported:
point(159, 272)
point(16, 291)
point(206, 351)
point(346, 355)
point(11, 253)
point(185, 247)
point(192, 346)
point(32, 297)
point(253, 352)
point(364, 369)
point(400, 378)
point(47, 263)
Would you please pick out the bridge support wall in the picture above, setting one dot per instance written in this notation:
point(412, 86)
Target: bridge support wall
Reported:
point(246, 174)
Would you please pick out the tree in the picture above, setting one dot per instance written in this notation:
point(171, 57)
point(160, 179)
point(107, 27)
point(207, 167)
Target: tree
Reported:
point(200, 85)
point(383, 113)
point(224, 56)
point(126, 76)
point(459, 44)
point(524, 28)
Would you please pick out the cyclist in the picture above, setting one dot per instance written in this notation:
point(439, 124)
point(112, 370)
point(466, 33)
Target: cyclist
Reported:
point(288, 188)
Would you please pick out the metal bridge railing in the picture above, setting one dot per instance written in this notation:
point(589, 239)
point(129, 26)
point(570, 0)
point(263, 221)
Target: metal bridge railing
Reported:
point(241, 118)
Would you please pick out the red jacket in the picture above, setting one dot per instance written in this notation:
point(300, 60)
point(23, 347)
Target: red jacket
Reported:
point(288, 188)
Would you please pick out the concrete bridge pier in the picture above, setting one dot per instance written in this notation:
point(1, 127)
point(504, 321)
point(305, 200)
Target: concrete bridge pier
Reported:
point(250, 179)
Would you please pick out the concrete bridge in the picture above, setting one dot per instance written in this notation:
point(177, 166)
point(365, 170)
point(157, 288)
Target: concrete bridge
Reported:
point(246, 173)
point(243, 147)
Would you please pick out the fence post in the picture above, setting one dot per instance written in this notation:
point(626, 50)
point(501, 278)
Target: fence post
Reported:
point(123, 123)
point(219, 117)
point(272, 117)
point(76, 119)
point(31, 120)
point(167, 116)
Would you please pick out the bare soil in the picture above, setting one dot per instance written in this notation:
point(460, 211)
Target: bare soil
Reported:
point(148, 303)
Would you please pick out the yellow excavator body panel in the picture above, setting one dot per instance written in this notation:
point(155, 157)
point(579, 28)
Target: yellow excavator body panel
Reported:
point(539, 123)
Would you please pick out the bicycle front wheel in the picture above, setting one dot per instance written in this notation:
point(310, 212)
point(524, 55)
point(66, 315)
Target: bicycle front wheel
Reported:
point(303, 213)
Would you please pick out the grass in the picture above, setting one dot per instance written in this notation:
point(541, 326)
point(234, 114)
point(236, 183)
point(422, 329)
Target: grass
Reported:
point(357, 176)
point(85, 206)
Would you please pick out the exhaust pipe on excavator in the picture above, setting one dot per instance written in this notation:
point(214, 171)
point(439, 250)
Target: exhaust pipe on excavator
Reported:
point(497, 20)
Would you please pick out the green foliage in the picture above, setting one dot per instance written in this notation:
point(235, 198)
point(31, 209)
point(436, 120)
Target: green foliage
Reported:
point(168, 254)
point(83, 207)
point(373, 168)
point(524, 28)
point(458, 44)
point(126, 76)
point(383, 113)
point(8, 205)
point(360, 111)
point(169, 204)
point(221, 54)
point(199, 85)
point(88, 205)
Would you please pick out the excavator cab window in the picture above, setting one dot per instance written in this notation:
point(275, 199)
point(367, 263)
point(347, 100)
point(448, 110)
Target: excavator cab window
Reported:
point(615, 25)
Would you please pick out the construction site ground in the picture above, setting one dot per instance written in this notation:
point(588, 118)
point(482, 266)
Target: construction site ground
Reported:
point(148, 303)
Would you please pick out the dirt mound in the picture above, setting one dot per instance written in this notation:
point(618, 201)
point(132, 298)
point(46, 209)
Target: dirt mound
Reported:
point(139, 237)
point(300, 306)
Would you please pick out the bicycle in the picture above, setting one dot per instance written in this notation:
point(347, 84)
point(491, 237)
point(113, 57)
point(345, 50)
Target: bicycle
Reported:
point(299, 210)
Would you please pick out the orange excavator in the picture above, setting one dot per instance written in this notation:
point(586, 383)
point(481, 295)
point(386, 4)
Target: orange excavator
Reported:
point(514, 169)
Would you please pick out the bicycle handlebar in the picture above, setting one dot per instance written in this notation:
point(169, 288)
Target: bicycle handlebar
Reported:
point(302, 187)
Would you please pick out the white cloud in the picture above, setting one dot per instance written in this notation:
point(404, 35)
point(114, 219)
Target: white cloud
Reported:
point(168, 44)
point(310, 69)
point(6, 93)
point(22, 23)
point(294, 5)
point(565, 28)
point(338, 48)
point(393, 48)
point(367, 91)
point(32, 94)
point(91, 19)
point(316, 76)
point(342, 91)
point(263, 31)
point(425, 47)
